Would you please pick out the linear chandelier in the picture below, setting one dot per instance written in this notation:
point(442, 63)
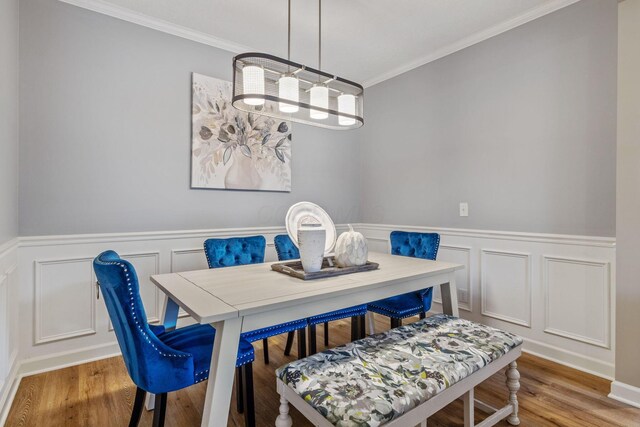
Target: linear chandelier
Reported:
point(267, 85)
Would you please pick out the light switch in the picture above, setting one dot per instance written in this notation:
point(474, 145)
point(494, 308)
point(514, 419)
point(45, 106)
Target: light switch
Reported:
point(464, 209)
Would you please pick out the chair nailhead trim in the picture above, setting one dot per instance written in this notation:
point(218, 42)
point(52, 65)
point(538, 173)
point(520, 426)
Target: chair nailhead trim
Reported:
point(135, 317)
point(400, 315)
point(206, 371)
point(333, 316)
point(260, 332)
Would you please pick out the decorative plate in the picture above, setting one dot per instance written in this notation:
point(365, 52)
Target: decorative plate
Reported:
point(310, 213)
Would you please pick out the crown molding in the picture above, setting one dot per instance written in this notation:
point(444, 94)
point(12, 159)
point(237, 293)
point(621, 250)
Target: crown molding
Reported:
point(478, 37)
point(158, 24)
point(138, 18)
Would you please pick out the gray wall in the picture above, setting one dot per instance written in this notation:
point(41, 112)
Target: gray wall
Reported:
point(521, 126)
point(628, 199)
point(105, 134)
point(8, 120)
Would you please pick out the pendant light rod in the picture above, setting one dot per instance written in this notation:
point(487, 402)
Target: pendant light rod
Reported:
point(289, 33)
point(319, 34)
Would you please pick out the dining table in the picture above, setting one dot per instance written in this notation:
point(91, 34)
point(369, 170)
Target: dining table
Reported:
point(244, 298)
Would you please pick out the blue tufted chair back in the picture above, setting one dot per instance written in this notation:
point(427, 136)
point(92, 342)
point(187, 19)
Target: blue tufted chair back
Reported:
point(152, 365)
point(235, 251)
point(416, 245)
point(285, 248)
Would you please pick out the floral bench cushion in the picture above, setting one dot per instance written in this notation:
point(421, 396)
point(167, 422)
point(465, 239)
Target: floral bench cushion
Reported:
point(375, 380)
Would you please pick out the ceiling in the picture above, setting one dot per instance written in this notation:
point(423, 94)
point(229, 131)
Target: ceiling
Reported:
point(363, 40)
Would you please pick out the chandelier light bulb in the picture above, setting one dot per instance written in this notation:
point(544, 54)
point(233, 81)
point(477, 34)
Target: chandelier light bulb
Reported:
point(288, 91)
point(346, 105)
point(319, 97)
point(253, 84)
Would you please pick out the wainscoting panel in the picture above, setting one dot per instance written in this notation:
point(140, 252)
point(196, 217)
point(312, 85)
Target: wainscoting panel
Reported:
point(12, 312)
point(458, 255)
point(61, 313)
point(585, 287)
point(9, 305)
point(4, 326)
point(553, 290)
point(65, 302)
point(188, 260)
point(505, 286)
point(506, 283)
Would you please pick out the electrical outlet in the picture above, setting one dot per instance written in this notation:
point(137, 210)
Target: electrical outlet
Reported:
point(464, 209)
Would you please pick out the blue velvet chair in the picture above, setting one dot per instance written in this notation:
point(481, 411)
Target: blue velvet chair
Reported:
point(238, 251)
point(287, 250)
point(417, 245)
point(160, 360)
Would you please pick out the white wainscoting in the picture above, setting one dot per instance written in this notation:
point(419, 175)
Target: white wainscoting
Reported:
point(8, 323)
point(554, 290)
point(62, 315)
point(505, 286)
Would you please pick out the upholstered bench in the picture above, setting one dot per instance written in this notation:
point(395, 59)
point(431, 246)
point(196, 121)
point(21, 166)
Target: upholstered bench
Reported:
point(403, 376)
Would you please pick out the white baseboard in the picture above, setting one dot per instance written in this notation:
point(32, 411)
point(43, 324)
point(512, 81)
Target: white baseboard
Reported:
point(625, 393)
point(9, 389)
point(65, 359)
point(569, 358)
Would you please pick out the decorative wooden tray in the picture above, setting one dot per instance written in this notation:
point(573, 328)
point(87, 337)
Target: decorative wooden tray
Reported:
point(329, 269)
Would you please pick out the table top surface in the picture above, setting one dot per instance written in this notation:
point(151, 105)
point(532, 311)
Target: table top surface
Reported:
point(214, 295)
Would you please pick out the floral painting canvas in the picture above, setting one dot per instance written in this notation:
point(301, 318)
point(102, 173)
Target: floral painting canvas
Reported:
point(231, 149)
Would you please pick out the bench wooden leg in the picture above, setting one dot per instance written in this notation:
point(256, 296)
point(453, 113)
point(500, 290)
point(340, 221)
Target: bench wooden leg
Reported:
point(468, 401)
point(513, 384)
point(372, 326)
point(284, 419)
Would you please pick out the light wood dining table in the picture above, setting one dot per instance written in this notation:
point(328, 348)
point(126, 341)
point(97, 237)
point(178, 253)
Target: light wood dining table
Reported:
point(245, 298)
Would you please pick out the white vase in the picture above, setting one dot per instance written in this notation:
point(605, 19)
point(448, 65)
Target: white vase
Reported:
point(311, 242)
point(242, 173)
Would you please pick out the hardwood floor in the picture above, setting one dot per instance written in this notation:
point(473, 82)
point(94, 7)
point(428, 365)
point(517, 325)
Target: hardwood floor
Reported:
point(101, 394)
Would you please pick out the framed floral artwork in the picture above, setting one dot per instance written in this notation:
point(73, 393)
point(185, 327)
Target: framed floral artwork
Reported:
point(234, 150)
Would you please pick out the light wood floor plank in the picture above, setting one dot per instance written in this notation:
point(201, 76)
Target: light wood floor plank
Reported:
point(101, 394)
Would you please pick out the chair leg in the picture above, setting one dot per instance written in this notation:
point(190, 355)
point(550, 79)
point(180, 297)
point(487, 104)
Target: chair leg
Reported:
point(423, 315)
point(239, 390)
point(287, 348)
point(395, 322)
point(355, 330)
point(312, 340)
point(362, 326)
point(138, 404)
point(250, 411)
point(265, 350)
point(326, 334)
point(302, 343)
point(160, 410)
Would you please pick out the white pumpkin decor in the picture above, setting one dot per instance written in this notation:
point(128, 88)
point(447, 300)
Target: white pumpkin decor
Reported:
point(351, 249)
